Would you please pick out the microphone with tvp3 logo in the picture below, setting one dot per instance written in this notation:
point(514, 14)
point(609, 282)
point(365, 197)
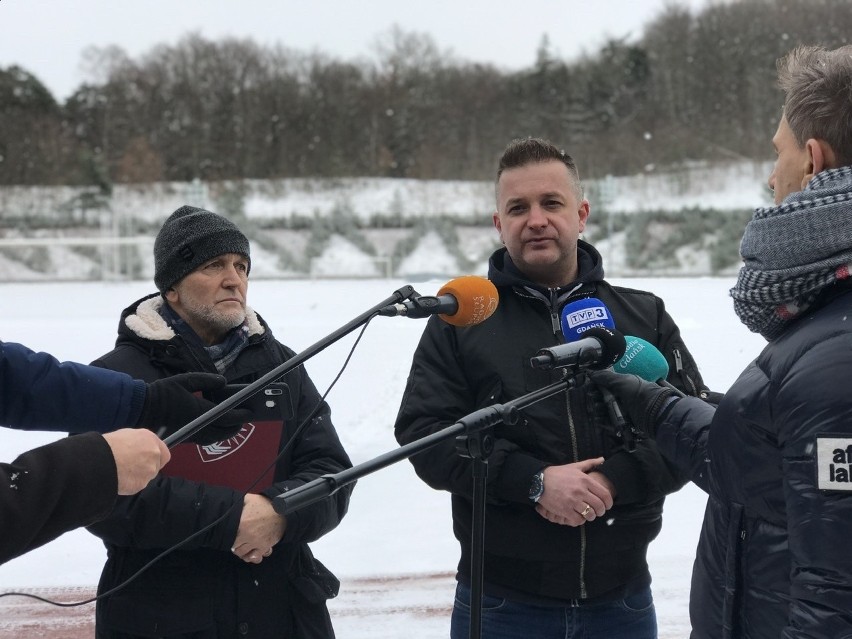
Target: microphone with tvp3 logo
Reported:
point(640, 357)
point(591, 339)
point(464, 301)
point(580, 318)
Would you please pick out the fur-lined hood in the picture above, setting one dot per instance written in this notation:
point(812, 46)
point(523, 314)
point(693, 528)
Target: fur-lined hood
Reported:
point(147, 323)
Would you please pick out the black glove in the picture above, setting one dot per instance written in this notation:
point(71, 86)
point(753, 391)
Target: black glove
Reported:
point(606, 414)
point(171, 403)
point(642, 401)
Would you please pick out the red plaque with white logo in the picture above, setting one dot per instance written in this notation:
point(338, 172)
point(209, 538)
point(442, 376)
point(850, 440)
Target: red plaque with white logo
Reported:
point(236, 462)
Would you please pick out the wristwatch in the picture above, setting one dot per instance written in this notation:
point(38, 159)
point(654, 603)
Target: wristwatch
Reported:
point(537, 486)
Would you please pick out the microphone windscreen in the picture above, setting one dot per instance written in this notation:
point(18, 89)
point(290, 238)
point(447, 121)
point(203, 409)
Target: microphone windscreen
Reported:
point(643, 359)
point(476, 296)
point(578, 317)
point(612, 342)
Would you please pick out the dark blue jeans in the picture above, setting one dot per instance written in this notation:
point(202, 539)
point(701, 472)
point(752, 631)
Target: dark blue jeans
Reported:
point(630, 618)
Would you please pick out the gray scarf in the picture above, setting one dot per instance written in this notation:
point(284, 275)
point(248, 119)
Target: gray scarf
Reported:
point(224, 353)
point(793, 251)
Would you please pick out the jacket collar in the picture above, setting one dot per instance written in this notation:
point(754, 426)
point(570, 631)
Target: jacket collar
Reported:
point(144, 320)
point(503, 271)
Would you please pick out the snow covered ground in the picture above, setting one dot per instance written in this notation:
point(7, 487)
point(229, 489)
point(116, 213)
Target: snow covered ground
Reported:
point(394, 551)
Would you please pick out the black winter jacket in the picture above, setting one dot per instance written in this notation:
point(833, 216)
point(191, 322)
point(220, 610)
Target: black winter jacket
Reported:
point(52, 489)
point(773, 558)
point(456, 371)
point(203, 588)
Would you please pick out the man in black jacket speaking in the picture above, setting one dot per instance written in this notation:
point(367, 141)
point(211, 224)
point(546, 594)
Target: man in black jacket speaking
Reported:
point(570, 508)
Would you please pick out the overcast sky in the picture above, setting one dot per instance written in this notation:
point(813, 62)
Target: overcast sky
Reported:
point(47, 37)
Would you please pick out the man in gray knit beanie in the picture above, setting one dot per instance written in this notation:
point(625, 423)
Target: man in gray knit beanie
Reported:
point(200, 321)
point(189, 237)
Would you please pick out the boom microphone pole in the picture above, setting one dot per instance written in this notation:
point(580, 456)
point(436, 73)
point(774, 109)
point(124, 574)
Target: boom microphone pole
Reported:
point(467, 431)
point(464, 301)
point(405, 293)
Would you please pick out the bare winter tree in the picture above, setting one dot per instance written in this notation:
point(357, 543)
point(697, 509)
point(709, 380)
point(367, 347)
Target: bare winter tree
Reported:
point(694, 86)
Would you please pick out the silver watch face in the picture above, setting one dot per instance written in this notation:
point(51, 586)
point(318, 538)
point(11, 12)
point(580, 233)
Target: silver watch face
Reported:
point(537, 486)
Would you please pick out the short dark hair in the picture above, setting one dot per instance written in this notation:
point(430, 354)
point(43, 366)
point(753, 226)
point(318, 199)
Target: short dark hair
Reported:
point(817, 84)
point(523, 151)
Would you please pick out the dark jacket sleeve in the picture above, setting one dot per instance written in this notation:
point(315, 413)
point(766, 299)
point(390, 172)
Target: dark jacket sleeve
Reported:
point(169, 510)
point(436, 395)
point(645, 474)
point(37, 392)
point(53, 489)
point(642, 475)
point(682, 437)
point(316, 451)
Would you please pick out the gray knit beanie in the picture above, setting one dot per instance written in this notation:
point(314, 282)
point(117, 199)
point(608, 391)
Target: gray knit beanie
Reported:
point(191, 236)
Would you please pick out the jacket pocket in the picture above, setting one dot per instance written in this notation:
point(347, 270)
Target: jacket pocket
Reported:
point(311, 579)
point(311, 585)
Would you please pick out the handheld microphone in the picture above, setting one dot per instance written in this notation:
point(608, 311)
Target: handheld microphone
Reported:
point(640, 357)
point(643, 359)
point(599, 348)
point(464, 301)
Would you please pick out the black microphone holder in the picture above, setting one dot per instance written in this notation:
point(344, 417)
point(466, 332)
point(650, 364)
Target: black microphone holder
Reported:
point(473, 441)
point(422, 306)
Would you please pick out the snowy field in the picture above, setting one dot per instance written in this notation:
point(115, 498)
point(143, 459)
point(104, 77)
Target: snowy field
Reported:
point(394, 552)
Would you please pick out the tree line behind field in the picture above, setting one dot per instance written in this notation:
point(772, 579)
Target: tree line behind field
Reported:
point(692, 87)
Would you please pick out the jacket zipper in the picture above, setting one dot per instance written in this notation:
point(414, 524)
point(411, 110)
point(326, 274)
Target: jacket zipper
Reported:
point(556, 325)
point(572, 429)
point(554, 321)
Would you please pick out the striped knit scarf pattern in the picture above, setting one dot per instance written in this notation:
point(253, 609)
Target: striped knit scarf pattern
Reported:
point(793, 251)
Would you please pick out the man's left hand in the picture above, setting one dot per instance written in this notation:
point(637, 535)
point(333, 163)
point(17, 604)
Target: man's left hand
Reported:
point(260, 529)
point(572, 496)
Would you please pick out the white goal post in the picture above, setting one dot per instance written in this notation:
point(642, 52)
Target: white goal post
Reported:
point(109, 255)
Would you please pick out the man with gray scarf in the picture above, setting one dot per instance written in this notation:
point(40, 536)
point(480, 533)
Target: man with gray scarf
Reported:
point(234, 566)
point(775, 456)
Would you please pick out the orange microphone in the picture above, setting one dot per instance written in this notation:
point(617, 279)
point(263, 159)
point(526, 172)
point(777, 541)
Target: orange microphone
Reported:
point(464, 301)
point(476, 299)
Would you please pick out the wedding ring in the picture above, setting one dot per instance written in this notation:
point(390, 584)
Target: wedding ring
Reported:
point(586, 511)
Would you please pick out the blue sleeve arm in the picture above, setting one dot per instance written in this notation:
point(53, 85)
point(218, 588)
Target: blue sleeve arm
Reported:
point(37, 392)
